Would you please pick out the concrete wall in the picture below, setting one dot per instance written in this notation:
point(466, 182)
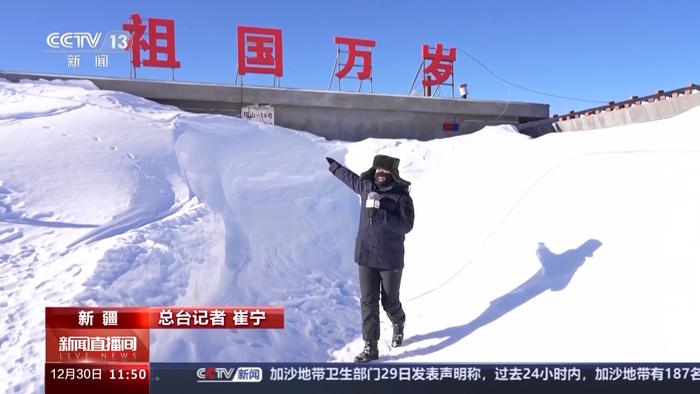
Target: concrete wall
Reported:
point(333, 115)
point(661, 109)
point(646, 112)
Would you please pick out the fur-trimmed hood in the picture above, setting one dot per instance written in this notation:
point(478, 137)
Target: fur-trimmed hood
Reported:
point(388, 162)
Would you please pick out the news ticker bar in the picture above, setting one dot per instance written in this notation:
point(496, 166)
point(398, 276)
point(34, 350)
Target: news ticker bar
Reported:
point(168, 378)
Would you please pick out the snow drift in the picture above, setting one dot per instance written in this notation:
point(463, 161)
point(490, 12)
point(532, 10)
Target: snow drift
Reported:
point(569, 248)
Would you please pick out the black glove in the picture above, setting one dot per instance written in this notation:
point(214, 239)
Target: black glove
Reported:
point(330, 160)
point(388, 204)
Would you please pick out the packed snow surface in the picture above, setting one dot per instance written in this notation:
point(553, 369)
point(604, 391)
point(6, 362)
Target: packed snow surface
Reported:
point(572, 247)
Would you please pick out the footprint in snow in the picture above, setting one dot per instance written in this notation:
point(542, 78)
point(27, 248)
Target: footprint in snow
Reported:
point(43, 214)
point(11, 234)
point(97, 138)
point(42, 284)
point(131, 156)
point(113, 148)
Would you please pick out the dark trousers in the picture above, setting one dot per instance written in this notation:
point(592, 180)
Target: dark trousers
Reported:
point(373, 284)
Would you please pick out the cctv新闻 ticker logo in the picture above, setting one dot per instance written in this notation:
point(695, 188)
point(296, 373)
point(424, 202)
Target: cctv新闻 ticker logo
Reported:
point(229, 375)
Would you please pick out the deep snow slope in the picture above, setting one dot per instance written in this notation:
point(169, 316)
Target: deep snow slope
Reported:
point(79, 168)
point(571, 247)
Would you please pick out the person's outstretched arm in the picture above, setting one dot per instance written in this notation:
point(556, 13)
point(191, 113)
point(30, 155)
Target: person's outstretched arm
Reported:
point(348, 177)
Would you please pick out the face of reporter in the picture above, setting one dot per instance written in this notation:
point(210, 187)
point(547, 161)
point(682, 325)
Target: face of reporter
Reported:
point(382, 176)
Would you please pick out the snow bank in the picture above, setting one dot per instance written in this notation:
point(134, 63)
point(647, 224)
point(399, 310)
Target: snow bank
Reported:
point(77, 166)
point(571, 247)
point(618, 210)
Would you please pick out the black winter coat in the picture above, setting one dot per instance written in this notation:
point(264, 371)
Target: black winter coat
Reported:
point(379, 242)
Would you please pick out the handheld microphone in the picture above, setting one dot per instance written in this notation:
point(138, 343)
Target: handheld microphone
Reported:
point(372, 204)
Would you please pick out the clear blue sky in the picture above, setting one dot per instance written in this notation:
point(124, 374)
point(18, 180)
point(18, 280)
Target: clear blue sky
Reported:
point(592, 49)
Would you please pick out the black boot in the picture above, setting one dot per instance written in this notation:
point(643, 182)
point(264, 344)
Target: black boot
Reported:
point(397, 338)
point(369, 353)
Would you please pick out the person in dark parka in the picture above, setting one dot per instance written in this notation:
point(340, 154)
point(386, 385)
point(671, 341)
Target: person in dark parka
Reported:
point(387, 215)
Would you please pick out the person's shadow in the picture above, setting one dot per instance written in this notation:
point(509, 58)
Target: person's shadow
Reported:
point(555, 274)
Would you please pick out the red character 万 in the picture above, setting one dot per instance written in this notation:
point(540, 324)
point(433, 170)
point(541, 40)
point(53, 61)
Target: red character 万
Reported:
point(353, 53)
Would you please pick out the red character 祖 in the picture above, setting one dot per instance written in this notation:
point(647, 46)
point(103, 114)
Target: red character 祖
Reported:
point(264, 47)
point(353, 53)
point(440, 66)
point(137, 43)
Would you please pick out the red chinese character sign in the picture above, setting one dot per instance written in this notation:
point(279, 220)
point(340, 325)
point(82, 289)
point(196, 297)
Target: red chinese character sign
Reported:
point(440, 67)
point(355, 48)
point(259, 51)
point(353, 53)
point(159, 30)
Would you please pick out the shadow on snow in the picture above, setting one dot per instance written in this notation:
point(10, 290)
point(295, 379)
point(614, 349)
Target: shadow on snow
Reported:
point(555, 274)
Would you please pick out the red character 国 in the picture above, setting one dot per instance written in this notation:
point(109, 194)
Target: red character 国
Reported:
point(259, 50)
point(138, 43)
point(353, 53)
point(440, 66)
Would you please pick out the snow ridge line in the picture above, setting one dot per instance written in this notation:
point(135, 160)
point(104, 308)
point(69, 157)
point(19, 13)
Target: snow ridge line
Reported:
point(526, 193)
point(6, 120)
point(84, 103)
